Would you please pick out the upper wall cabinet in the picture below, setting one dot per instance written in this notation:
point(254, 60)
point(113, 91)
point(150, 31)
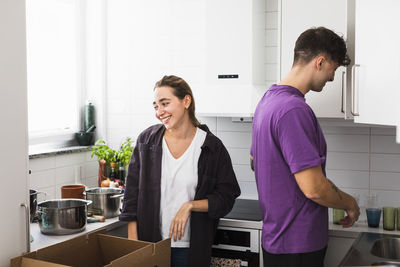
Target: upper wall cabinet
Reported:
point(234, 72)
point(298, 16)
point(376, 70)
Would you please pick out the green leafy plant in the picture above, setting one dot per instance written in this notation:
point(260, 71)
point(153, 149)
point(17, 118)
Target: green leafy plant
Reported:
point(102, 151)
point(125, 152)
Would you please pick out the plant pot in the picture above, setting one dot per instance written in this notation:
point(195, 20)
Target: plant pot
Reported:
point(73, 191)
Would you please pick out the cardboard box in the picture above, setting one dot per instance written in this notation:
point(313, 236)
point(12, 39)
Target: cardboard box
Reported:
point(97, 250)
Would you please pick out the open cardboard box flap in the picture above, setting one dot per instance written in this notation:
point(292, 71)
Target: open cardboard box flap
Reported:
point(97, 250)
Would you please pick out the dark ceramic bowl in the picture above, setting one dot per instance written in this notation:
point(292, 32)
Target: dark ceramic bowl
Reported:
point(84, 139)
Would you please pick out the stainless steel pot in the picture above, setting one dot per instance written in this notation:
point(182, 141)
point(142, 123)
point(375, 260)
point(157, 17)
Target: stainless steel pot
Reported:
point(106, 201)
point(33, 203)
point(62, 216)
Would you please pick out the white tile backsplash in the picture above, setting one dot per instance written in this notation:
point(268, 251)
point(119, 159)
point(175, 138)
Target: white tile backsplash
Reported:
point(244, 173)
point(385, 162)
point(383, 131)
point(239, 155)
point(41, 179)
point(66, 175)
point(50, 173)
point(328, 128)
point(348, 178)
point(90, 169)
point(347, 161)
point(384, 144)
point(347, 143)
point(211, 122)
point(385, 181)
point(42, 164)
point(388, 198)
point(248, 190)
point(69, 159)
point(236, 139)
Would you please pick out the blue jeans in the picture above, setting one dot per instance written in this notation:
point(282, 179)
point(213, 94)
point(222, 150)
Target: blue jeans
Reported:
point(179, 257)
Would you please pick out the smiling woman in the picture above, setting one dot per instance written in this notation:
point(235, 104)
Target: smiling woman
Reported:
point(183, 173)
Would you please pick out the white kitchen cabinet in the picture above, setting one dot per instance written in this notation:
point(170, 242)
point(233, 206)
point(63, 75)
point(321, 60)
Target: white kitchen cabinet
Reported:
point(234, 78)
point(377, 62)
point(298, 16)
point(13, 136)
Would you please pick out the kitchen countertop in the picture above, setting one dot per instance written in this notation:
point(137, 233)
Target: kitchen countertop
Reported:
point(41, 240)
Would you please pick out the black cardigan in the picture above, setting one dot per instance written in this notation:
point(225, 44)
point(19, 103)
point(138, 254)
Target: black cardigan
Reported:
point(216, 182)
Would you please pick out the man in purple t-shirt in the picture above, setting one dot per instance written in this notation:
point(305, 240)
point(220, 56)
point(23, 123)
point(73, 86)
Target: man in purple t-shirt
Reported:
point(288, 155)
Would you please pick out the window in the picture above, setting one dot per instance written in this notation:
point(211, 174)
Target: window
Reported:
point(54, 61)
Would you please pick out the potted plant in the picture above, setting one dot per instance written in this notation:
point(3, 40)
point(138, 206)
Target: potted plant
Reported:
point(106, 155)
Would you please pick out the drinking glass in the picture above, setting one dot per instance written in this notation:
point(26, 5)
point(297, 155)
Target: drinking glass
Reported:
point(389, 218)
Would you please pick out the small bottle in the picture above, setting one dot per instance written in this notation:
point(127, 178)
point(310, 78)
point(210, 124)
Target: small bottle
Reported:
point(113, 175)
point(121, 173)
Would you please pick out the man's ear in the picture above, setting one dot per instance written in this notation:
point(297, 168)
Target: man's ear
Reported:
point(319, 61)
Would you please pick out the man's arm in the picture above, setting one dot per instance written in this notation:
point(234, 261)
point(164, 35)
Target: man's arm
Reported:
point(251, 163)
point(321, 190)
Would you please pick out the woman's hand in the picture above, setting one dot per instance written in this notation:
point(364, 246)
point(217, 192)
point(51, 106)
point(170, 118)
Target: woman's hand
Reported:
point(178, 224)
point(132, 230)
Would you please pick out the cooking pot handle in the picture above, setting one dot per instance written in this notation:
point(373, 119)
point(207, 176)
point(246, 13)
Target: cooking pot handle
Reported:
point(88, 202)
point(116, 196)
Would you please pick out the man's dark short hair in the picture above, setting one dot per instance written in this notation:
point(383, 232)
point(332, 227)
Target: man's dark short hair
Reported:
point(320, 41)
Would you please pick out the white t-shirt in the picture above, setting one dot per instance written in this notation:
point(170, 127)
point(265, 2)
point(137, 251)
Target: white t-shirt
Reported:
point(178, 184)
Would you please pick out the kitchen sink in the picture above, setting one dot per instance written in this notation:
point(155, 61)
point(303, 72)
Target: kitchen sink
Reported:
point(388, 248)
point(374, 249)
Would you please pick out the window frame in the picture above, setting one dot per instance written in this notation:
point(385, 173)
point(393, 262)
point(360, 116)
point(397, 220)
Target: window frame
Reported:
point(65, 136)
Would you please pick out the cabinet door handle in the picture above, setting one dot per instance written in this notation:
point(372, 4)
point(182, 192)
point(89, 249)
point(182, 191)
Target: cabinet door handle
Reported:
point(343, 73)
point(28, 234)
point(353, 89)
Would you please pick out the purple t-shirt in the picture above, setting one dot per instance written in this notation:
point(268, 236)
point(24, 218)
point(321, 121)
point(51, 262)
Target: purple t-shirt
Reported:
point(287, 138)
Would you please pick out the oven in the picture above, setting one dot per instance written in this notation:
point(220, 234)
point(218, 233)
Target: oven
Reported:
point(238, 243)
point(238, 236)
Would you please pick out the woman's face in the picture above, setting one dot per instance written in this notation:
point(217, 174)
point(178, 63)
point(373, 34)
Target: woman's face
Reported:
point(170, 110)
